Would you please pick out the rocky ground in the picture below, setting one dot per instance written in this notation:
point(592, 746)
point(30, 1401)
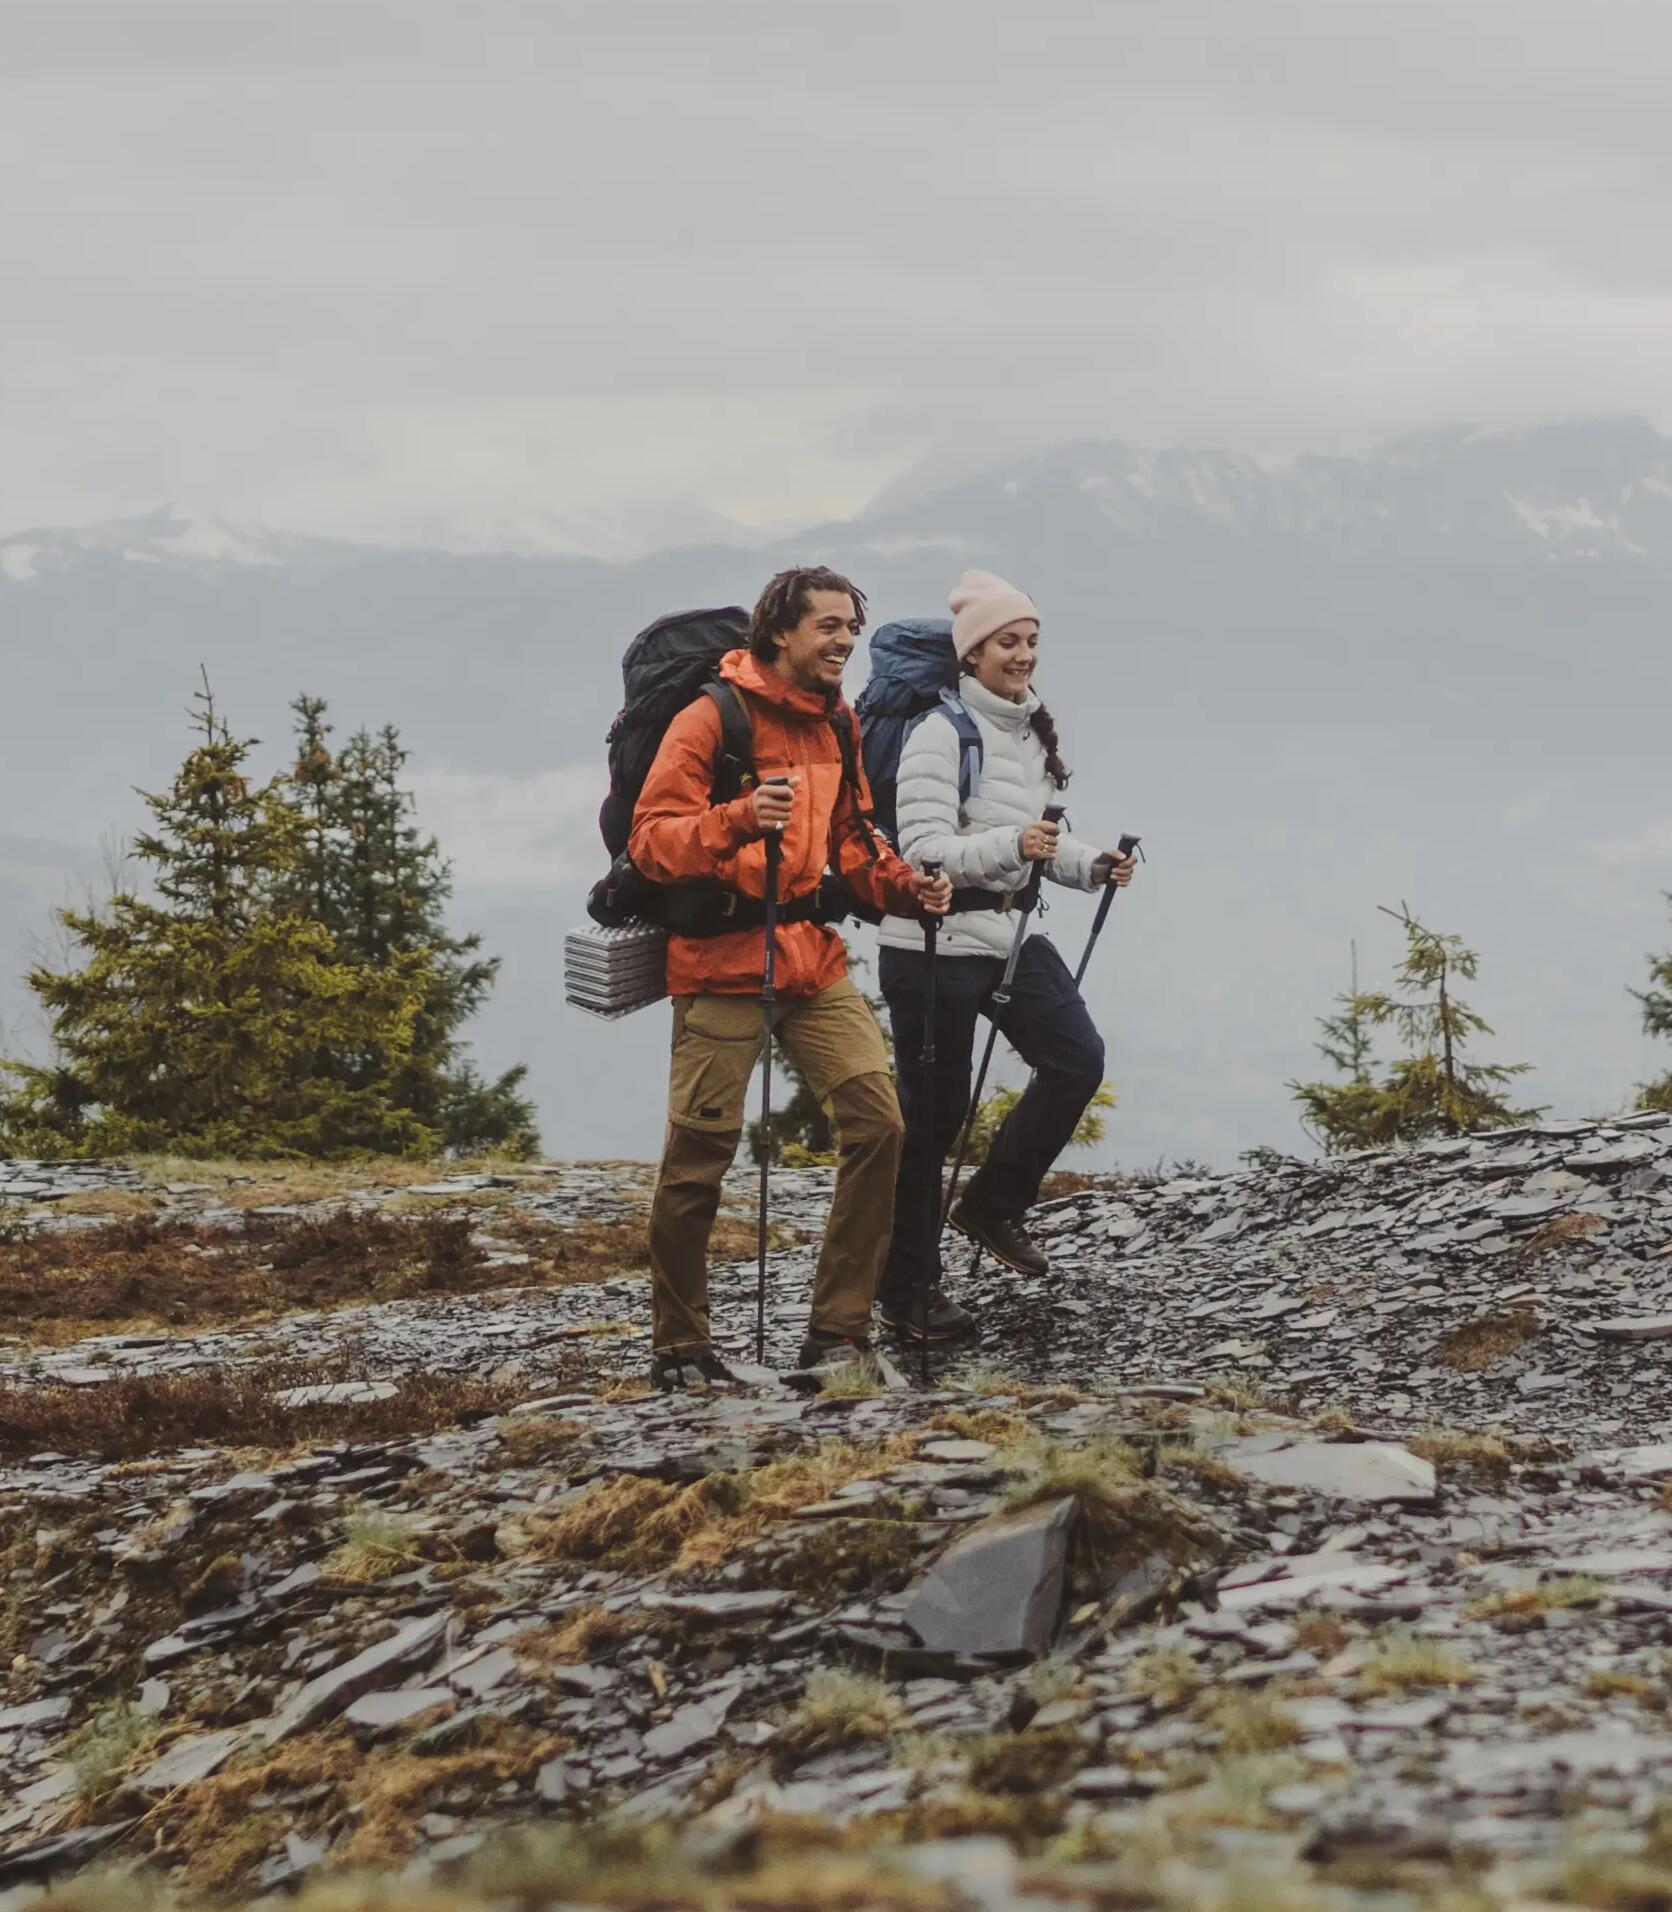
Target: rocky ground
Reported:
point(1300, 1542)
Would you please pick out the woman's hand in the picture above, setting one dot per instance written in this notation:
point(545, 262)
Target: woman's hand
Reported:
point(933, 893)
point(1111, 867)
point(1039, 841)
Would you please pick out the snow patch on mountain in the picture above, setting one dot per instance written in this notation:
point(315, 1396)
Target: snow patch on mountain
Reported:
point(170, 536)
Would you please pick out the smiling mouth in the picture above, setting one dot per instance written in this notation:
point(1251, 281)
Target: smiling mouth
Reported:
point(835, 660)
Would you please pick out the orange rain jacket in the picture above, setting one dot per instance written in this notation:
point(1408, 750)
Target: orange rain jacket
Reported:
point(680, 832)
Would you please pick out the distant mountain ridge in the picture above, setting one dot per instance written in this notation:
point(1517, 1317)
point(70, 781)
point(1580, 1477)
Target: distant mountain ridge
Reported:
point(1559, 491)
point(1581, 490)
point(1315, 684)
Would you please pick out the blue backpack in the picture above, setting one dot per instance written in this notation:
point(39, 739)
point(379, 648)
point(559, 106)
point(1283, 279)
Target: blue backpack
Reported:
point(914, 671)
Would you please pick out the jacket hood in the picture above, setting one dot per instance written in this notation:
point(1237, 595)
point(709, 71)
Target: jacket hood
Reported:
point(790, 701)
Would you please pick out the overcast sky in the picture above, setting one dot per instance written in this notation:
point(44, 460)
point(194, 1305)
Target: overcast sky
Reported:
point(522, 272)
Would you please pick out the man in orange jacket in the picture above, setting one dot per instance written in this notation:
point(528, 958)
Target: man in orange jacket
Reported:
point(801, 635)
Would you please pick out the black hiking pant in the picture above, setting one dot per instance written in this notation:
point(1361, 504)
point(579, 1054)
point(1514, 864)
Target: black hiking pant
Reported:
point(1048, 1025)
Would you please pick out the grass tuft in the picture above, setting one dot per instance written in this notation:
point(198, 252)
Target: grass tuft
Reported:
point(837, 1709)
point(1166, 1677)
point(1400, 1662)
point(376, 1546)
point(107, 1746)
point(1251, 1723)
point(1479, 1343)
point(1574, 1590)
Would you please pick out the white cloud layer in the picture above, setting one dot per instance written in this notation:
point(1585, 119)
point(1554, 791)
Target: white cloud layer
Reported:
point(579, 274)
point(520, 835)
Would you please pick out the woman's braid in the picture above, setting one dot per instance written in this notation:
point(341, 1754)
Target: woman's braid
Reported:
point(1045, 729)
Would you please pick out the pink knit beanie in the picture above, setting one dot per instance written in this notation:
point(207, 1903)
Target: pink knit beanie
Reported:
point(983, 603)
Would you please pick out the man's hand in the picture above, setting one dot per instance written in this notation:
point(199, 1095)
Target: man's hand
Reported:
point(773, 803)
point(933, 894)
point(1039, 841)
point(1111, 867)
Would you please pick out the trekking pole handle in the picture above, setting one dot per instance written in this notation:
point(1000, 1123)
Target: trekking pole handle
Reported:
point(1054, 813)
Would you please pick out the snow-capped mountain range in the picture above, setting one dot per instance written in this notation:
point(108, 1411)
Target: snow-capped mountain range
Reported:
point(1574, 491)
point(1315, 684)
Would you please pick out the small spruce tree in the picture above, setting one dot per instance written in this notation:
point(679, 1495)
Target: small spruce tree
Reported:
point(381, 887)
point(1349, 1114)
point(1657, 1021)
point(1433, 1089)
point(196, 1021)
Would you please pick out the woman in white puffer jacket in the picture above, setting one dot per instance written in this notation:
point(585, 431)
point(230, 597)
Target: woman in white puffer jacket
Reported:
point(988, 847)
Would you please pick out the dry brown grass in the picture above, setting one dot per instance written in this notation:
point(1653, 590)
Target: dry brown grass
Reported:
point(145, 1269)
point(218, 1829)
point(1321, 1633)
point(836, 1710)
point(1483, 1454)
point(1400, 1662)
point(1004, 1430)
point(114, 1204)
point(1488, 1338)
point(645, 1525)
point(139, 1416)
point(529, 1439)
point(1630, 1686)
point(1562, 1231)
point(580, 1636)
point(1573, 1590)
point(1250, 1723)
point(1123, 1517)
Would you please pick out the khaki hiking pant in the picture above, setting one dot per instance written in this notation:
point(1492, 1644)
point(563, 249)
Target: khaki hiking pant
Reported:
point(834, 1039)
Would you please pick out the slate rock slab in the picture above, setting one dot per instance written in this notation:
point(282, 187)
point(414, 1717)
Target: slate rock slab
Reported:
point(692, 1726)
point(1346, 1470)
point(1635, 1328)
point(58, 1853)
point(330, 1692)
point(999, 1590)
point(189, 1760)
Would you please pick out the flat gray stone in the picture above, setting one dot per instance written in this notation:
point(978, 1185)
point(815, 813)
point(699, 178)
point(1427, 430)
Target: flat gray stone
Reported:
point(719, 1606)
point(1635, 1328)
point(691, 1726)
point(336, 1394)
point(328, 1694)
point(1634, 1463)
point(35, 1713)
point(1000, 1589)
point(190, 1759)
point(377, 1713)
point(1346, 1470)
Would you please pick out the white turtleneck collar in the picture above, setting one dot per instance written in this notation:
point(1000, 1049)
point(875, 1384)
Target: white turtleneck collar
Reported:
point(998, 709)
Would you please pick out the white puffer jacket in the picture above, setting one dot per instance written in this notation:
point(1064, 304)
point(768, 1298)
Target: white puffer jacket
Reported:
point(980, 845)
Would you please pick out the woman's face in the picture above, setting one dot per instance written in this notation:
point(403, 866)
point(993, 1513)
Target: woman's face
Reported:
point(1003, 663)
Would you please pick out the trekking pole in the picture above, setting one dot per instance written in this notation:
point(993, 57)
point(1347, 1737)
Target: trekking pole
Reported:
point(1054, 813)
point(769, 971)
point(1127, 845)
point(926, 1062)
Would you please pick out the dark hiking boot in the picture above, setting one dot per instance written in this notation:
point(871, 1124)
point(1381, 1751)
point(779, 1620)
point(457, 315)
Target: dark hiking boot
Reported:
point(824, 1356)
point(946, 1321)
point(821, 1351)
point(1005, 1240)
point(682, 1370)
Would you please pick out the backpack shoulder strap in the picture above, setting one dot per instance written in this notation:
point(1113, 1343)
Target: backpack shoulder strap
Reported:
point(734, 769)
point(846, 726)
point(971, 750)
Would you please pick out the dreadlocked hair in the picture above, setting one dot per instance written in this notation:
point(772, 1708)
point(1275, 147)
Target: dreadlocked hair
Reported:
point(1045, 729)
point(787, 600)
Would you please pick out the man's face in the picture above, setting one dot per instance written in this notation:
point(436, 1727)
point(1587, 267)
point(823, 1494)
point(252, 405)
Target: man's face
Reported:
point(814, 654)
